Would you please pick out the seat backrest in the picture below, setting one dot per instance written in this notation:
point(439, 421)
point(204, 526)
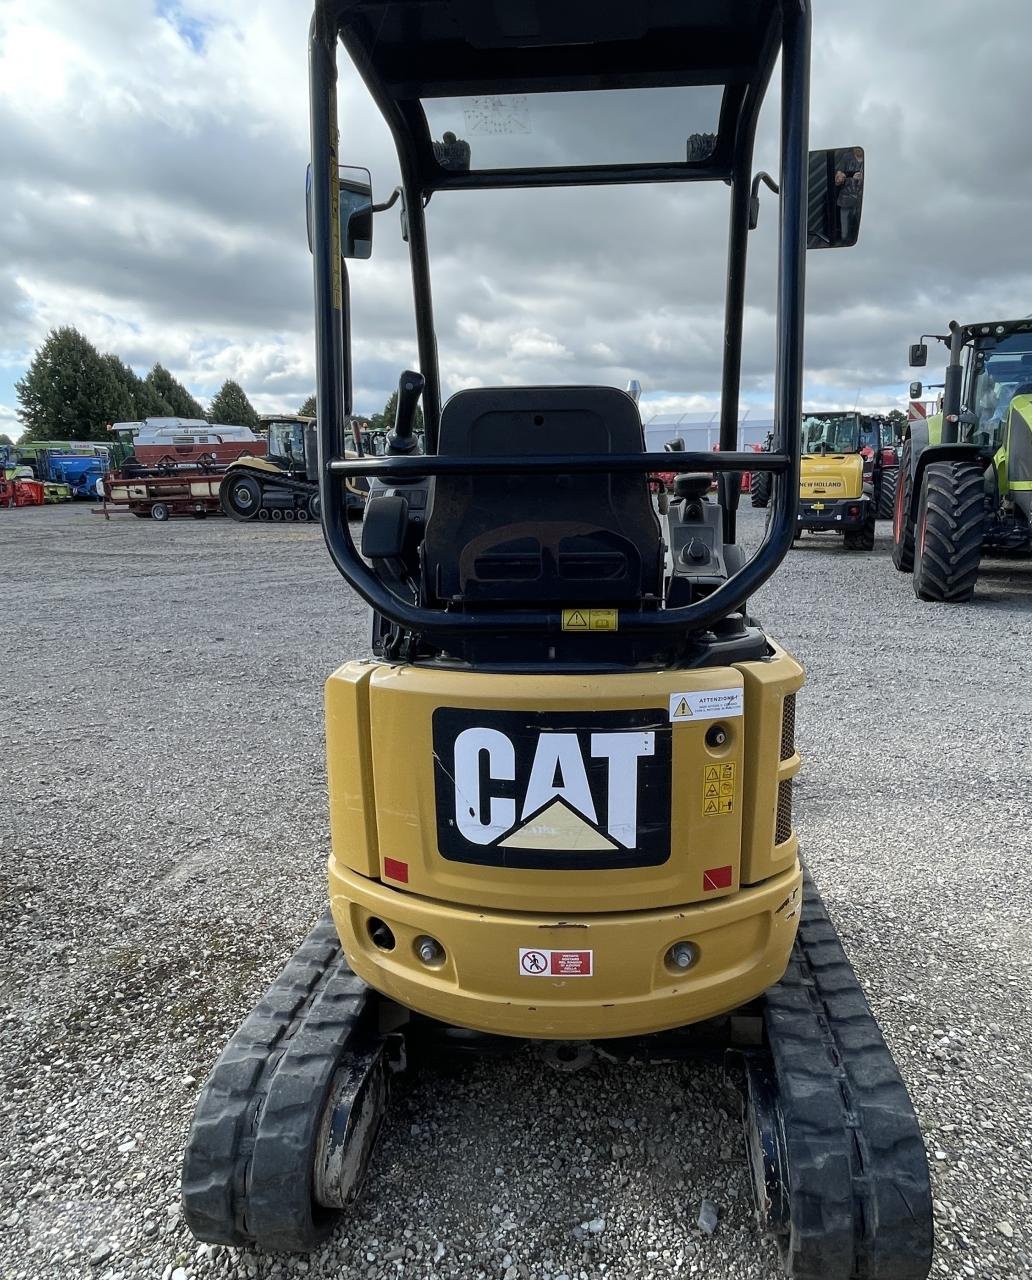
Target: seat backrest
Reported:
point(547, 539)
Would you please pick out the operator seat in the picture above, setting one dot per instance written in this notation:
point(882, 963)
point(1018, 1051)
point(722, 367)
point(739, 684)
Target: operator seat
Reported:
point(545, 540)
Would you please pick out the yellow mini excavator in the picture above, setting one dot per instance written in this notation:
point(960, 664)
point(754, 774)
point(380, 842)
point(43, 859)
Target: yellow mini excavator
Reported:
point(561, 782)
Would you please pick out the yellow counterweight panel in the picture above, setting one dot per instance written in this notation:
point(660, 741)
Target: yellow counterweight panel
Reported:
point(742, 945)
point(723, 798)
point(833, 475)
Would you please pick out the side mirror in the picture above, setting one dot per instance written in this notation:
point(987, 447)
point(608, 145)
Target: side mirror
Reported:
point(836, 197)
point(915, 390)
point(355, 211)
point(918, 355)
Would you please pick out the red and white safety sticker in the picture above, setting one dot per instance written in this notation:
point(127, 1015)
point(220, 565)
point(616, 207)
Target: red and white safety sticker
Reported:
point(535, 963)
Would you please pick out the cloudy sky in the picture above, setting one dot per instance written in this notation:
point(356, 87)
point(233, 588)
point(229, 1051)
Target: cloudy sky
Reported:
point(152, 158)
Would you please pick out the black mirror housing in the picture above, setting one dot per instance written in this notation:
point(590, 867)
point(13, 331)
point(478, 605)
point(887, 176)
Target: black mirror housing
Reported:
point(835, 198)
point(915, 390)
point(918, 355)
point(355, 211)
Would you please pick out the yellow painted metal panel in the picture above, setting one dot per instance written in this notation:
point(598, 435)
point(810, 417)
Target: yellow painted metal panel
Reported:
point(402, 702)
point(767, 684)
point(743, 944)
point(349, 768)
point(831, 476)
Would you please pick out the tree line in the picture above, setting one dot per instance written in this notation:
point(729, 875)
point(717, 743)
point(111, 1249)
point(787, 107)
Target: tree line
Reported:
point(72, 391)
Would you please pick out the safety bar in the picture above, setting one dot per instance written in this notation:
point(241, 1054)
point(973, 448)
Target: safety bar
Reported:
point(406, 467)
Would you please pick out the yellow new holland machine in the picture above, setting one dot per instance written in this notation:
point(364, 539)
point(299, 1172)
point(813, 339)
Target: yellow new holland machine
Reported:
point(836, 494)
point(561, 783)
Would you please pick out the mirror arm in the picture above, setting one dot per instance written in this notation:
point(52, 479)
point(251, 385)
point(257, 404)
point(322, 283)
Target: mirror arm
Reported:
point(387, 204)
point(754, 197)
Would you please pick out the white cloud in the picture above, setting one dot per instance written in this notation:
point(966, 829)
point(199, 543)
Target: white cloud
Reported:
point(151, 169)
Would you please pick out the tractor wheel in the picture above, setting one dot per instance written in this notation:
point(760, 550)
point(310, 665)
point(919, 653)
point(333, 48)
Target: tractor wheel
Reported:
point(315, 507)
point(159, 511)
point(902, 525)
point(950, 520)
point(861, 539)
point(759, 488)
point(240, 496)
point(887, 495)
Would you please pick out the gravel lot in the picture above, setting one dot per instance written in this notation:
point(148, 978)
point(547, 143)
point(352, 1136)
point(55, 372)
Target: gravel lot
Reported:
point(163, 839)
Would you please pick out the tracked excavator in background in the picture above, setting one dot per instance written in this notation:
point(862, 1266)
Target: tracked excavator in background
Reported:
point(561, 783)
point(284, 483)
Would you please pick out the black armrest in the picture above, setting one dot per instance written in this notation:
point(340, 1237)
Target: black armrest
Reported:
point(383, 531)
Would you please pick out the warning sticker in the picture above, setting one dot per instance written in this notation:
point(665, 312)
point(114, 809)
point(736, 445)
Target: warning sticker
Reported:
point(537, 963)
point(709, 704)
point(718, 790)
point(591, 620)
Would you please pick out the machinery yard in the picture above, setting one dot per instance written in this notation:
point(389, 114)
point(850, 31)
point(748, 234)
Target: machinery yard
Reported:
point(166, 833)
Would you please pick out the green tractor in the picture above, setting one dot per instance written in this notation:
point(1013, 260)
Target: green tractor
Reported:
point(965, 485)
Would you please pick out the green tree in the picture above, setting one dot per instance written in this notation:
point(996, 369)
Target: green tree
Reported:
point(173, 393)
point(68, 390)
point(232, 406)
point(384, 421)
point(6, 441)
point(307, 410)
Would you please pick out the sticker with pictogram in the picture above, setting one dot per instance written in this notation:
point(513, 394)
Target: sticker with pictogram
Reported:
point(718, 790)
point(537, 962)
point(706, 704)
point(591, 620)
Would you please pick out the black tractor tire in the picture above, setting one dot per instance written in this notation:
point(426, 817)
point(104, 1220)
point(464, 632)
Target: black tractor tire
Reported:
point(950, 523)
point(240, 496)
point(759, 488)
point(902, 525)
point(159, 511)
point(887, 493)
point(861, 539)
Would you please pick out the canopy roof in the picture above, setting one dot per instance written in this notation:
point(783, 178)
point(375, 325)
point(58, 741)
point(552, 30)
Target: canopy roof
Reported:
point(486, 54)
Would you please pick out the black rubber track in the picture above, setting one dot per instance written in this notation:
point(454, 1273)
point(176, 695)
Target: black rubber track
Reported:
point(887, 493)
point(248, 1169)
point(858, 1173)
point(902, 525)
point(759, 488)
point(950, 524)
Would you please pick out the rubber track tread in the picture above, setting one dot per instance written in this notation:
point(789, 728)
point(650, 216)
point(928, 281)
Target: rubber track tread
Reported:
point(953, 509)
point(858, 1172)
point(247, 1172)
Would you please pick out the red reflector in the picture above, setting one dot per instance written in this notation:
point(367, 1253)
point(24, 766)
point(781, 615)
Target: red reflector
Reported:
point(396, 870)
point(717, 878)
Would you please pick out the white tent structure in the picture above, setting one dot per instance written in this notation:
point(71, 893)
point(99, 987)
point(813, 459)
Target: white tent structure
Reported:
point(700, 431)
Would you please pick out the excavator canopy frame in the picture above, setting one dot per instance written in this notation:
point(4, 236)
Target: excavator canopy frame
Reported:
point(411, 51)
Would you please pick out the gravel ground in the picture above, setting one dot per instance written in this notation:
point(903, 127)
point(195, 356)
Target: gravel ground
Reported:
point(164, 835)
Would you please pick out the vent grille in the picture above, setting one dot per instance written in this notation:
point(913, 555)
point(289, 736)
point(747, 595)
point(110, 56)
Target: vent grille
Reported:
point(788, 727)
point(783, 828)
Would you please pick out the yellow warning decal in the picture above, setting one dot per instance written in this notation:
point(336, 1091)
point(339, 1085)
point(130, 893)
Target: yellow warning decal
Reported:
point(591, 620)
point(718, 790)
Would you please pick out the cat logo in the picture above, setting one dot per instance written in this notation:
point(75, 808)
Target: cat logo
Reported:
point(552, 790)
